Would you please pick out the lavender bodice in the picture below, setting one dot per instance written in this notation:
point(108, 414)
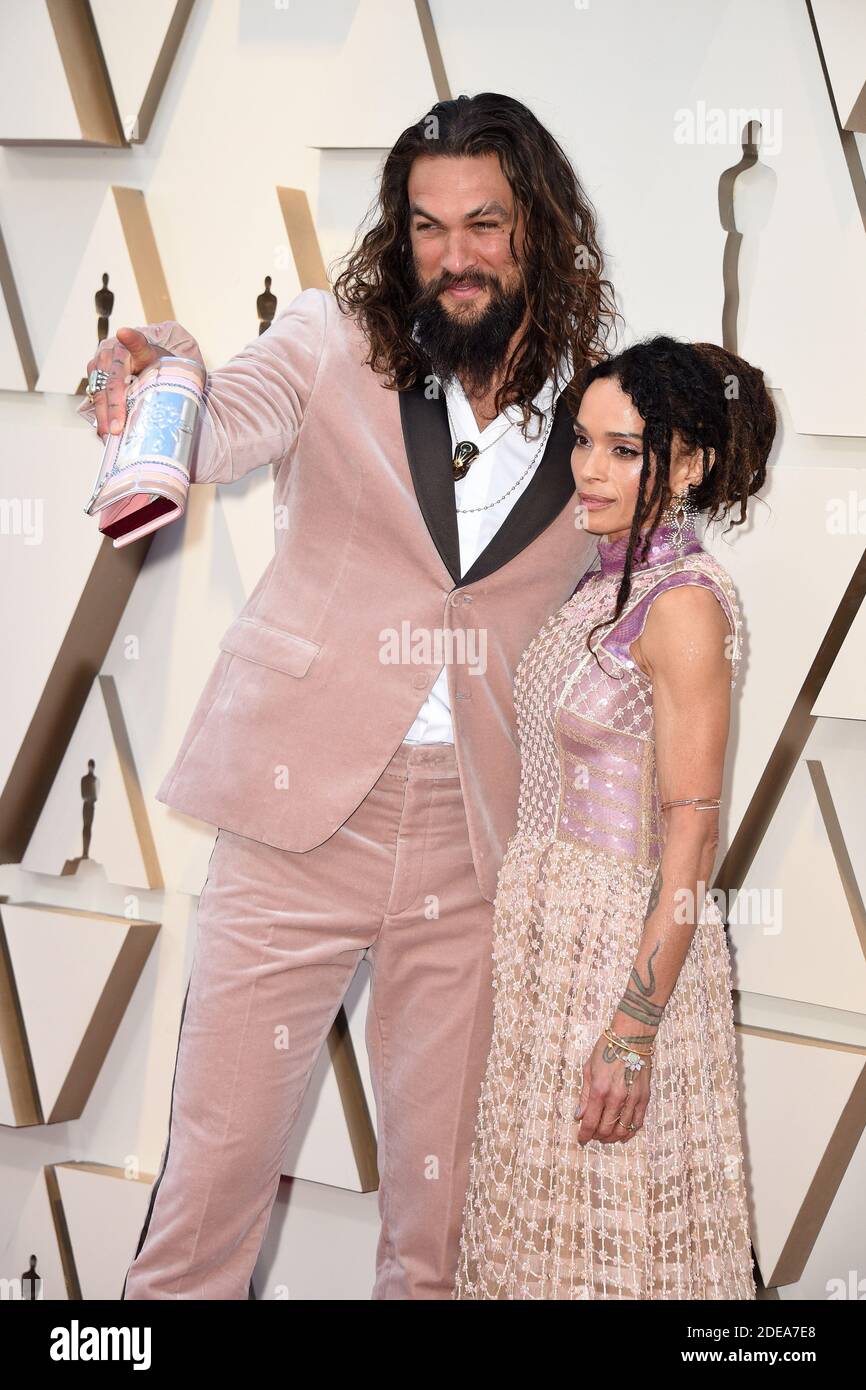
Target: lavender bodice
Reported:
point(586, 730)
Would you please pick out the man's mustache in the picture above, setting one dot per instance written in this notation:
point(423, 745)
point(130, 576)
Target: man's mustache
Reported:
point(427, 294)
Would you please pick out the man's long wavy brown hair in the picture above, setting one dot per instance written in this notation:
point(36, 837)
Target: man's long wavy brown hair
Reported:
point(570, 304)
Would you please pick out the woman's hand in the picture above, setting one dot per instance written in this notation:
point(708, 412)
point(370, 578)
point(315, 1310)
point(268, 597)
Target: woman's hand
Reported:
point(122, 358)
point(608, 1096)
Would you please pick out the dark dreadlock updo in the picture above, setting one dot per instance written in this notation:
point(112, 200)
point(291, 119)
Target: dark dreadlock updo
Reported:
point(710, 399)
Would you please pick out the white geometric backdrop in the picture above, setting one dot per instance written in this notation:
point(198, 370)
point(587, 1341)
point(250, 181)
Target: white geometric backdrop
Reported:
point(251, 96)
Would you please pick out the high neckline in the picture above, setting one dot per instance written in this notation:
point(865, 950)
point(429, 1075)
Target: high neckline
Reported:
point(663, 548)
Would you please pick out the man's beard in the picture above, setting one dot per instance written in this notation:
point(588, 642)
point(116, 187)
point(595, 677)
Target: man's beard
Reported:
point(472, 348)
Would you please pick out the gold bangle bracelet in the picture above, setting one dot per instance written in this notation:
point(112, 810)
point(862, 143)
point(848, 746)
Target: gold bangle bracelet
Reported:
point(701, 803)
point(627, 1047)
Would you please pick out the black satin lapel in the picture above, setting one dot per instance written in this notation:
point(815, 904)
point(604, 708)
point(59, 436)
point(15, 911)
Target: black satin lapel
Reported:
point(427, 438)
point(542, 500)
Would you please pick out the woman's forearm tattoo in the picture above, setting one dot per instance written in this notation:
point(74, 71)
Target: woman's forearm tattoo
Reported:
point(636, 1001)
point(655, 894)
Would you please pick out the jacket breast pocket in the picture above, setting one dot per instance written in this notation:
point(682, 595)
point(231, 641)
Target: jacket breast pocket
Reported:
point(269, 646)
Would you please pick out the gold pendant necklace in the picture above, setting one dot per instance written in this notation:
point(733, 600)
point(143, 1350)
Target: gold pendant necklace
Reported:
point(462, 511)
point(464, 456)
point(465, 452)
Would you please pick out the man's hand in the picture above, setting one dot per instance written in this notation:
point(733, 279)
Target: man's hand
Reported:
point(122, 358)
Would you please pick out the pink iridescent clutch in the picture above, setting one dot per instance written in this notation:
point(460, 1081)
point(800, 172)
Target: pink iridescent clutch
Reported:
point(143, 479)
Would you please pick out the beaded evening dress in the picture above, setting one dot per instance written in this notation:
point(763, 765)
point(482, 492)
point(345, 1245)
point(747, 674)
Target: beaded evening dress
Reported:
point(663, 1215)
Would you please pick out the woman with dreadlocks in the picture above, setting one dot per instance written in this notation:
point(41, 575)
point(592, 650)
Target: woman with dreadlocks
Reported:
point(608, 1158)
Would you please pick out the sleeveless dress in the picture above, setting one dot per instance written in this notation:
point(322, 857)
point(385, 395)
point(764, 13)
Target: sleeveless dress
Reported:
point(663, 1215)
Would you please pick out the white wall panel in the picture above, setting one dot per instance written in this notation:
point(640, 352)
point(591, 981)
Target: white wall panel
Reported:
point(299, 96)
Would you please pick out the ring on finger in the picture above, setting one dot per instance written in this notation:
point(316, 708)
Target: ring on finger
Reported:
point(96, 382)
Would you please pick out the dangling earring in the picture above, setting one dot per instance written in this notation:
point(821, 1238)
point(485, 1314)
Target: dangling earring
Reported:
point(679, 514)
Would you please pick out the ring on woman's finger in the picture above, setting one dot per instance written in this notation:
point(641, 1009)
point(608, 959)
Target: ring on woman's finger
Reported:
point(96, 382)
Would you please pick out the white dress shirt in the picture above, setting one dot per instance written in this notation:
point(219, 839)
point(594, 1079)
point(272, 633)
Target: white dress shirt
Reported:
point(492, 474)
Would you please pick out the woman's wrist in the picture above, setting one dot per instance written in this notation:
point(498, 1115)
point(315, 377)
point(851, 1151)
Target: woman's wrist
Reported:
point(630, 1031)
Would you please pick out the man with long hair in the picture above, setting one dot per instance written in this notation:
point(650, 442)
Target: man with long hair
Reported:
point(355, 742)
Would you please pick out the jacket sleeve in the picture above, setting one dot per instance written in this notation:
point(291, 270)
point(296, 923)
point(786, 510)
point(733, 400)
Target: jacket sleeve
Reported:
point(254, 405)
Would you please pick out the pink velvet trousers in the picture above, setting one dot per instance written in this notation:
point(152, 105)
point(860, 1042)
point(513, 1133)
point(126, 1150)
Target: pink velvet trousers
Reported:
point(278, 939)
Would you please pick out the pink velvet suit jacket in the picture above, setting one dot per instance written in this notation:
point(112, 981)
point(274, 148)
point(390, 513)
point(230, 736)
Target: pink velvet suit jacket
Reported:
point(305, 703)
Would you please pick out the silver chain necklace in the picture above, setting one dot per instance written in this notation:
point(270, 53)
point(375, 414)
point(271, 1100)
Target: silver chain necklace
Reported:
point(462, 511)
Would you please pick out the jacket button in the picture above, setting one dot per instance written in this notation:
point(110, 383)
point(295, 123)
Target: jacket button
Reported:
point(419, 680)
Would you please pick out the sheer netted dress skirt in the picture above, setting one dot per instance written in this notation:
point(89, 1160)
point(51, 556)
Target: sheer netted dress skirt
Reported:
point(663, 1215)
